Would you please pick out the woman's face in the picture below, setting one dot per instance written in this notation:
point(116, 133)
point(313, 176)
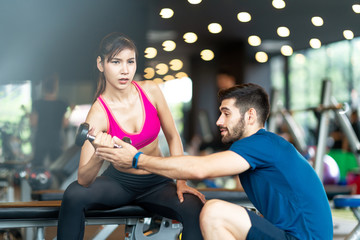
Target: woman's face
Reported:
point(120, 70)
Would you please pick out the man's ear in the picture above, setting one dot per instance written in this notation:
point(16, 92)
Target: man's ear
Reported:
point(99, 64)
point(251, 115)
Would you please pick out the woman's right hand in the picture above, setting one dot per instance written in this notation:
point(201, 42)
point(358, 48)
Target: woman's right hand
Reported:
point(102, 139)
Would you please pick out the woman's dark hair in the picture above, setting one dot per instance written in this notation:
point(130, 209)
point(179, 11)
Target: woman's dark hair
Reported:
point(110, 46)
point(248, 96)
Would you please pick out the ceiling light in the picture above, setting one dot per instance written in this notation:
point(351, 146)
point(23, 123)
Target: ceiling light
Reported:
point(254, 40)
point(158, 80)
point(356, 8)
point(149, 73)
point(169, 77)
point(286, 50)
point(169, 45)
point(300, 58)
point(214, 28)
point(180, 75)
point(283, 31)
point(317, 21)
point(162, 68)
point(166, 13)
point(278, 4)
point(207, 55)
point(190, 37)
point(194, 1)
point(244, 17)
point(315, 43)
point(150, 52)
point(348, 34)
point(261, 57)
point(176, 64)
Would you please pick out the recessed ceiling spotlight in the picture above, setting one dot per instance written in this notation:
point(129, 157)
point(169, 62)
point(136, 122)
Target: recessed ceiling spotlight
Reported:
point(261, 57)
point(300, 58)
point(278, 4)
point(190, 37)
point(169, 77)
point(207, 55)
point(214, 28)
point(283, 31)
point(194, 1)
point(176, 64)
point(286, 50)
point(254, 40)
point(166, 13)
point(162, 68)
point(150, 52)
point(180, 75)
point(169, 45)
point(317, 21)
point(348, 34)
point(158, 80)
point(149, 72)
point(356, 8)
point(244, 17)
point(315, 43)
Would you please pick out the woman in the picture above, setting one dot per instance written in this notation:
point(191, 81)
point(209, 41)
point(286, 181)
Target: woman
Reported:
point(136, 110)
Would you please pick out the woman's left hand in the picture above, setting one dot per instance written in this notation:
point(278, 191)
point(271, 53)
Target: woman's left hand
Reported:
point(182, 188)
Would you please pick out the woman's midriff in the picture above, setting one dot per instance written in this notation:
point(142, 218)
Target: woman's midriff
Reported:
point(152, 150)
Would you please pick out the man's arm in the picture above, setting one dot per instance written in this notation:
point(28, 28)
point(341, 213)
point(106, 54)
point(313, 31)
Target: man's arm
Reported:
point(219, 164)
point(180, 167)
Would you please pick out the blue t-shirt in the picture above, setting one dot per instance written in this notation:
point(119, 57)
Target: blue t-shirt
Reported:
point(284, 187)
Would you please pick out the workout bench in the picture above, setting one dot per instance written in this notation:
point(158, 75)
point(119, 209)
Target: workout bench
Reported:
point(41, 214)
point(353, 202)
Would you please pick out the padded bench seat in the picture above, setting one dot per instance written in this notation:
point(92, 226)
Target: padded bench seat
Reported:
point(230, 195)
point(45, 212)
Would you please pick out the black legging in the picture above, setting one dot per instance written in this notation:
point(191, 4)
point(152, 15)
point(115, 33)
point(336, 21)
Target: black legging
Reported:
point(106, 192)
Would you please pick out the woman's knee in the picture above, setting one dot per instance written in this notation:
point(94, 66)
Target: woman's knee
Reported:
point(192, 205)
point(74, 193)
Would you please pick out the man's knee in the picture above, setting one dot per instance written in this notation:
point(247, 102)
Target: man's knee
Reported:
point(210, 212)
point(218, 211)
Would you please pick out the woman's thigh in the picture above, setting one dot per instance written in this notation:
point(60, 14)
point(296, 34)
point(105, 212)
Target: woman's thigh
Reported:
point(103, 192)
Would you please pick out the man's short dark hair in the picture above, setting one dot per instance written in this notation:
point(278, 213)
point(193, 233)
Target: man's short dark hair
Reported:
point(248, 95)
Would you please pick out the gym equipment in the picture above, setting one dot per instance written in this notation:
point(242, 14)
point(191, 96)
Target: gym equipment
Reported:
point(331, 171)
point(297, 134)
point(83, 134)
point(41, 214)
point(353, 202)
point(328, 103)
point(39, 179)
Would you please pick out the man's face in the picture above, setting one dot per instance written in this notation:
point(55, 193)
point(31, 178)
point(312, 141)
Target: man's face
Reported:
point(230, 122)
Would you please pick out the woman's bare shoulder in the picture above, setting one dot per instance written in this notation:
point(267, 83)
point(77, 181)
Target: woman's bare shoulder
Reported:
point(150, 87)
point(97, 117)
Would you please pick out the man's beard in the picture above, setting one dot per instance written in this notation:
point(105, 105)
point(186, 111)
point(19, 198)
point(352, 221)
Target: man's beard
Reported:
point(235, 133)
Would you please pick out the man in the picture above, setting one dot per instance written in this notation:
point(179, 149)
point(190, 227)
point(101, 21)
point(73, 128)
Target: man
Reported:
point(280, 183)
point(49, 118)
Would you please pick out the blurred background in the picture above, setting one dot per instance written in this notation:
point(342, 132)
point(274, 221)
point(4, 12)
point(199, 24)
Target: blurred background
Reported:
point(191, 48)
point(185, 46)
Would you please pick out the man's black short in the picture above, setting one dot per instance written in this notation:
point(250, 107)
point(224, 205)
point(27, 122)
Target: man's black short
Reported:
point(263, 229)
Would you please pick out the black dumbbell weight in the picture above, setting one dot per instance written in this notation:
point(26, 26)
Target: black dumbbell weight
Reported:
point(83, 134)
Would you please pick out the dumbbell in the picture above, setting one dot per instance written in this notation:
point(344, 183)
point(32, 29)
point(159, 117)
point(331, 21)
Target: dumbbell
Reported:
point(83, 134)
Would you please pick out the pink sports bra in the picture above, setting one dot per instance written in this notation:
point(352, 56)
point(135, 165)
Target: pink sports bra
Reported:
point(150, 127)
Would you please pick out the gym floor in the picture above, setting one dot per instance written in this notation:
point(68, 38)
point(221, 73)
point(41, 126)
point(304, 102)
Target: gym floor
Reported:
point(344, 222)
